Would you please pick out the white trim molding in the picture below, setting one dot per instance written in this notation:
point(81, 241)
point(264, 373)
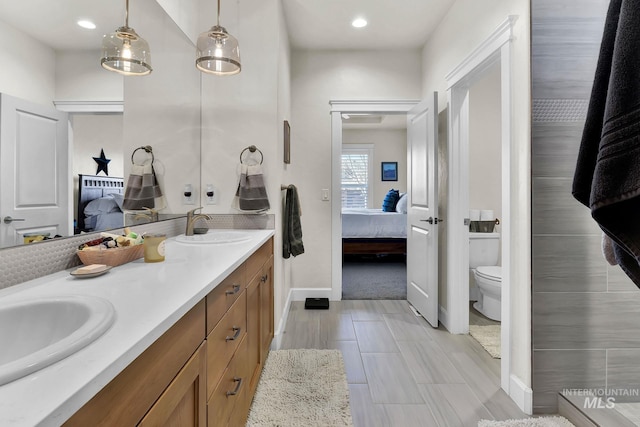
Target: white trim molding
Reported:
point(495, 50)
point(90, 106)
point(521, 394)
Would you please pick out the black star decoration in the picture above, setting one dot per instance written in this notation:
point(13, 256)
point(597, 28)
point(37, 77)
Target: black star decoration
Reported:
point(103, 163)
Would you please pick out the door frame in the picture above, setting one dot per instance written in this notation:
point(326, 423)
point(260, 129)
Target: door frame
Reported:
point(496, 49)
point(337, 109)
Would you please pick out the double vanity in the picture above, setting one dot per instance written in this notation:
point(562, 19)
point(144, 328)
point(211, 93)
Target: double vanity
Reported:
point(185, 339)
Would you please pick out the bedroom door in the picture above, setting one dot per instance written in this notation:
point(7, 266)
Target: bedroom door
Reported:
point(422, 209)
point(35, 172)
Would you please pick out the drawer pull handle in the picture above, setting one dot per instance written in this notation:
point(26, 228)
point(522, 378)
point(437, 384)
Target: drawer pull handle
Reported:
point(236, 289)
point(237, 389)
point(264, 278)
point(236, 335)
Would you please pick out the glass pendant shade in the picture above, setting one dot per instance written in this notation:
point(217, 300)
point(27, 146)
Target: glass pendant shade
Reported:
point(125, 52)
point(218, 52)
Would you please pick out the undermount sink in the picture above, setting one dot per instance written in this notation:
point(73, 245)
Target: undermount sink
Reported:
point(39, 332)
point(216, 237)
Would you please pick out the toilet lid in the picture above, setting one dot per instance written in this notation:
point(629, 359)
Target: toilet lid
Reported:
point(492, 272)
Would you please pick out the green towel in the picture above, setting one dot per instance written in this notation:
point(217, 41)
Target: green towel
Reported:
point(292, 236)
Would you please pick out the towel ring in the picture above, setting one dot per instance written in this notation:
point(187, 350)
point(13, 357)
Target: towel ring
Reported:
point(147, 149)
point(252, 149)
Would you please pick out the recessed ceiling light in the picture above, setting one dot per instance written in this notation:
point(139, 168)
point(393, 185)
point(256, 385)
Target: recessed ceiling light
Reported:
point(86, 24)
point(359, 22)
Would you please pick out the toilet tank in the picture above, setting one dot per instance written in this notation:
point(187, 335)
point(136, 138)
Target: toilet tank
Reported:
point(484, 249)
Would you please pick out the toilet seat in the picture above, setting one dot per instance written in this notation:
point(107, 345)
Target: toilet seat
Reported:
point(490, 272)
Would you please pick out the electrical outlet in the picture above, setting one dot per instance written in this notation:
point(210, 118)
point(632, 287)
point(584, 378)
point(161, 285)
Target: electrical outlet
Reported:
point(188, 196)
point(325, 194)
point(211, 195)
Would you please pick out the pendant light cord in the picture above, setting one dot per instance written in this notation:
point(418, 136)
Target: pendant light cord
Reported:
point(218, 12)
point(126, 14)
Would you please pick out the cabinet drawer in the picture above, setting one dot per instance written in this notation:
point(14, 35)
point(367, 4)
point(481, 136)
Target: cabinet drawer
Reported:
point(223, 341)
point(255, 262)
point(224, 295)
point(230, 389)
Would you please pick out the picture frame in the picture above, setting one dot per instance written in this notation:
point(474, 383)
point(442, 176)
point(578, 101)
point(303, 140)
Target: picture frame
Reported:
point(389, 171)
point(287, 142)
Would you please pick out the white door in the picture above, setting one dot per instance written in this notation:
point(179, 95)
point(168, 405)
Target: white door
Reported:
point(35, 173)
point(422, 210)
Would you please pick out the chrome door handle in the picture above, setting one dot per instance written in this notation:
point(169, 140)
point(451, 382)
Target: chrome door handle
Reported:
point(8, 220)
point(432, 220)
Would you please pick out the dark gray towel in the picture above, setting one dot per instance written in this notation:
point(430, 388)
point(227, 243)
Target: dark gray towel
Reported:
point(292, 235)
point(607, 176)
point(142, 188)
point(251, 192)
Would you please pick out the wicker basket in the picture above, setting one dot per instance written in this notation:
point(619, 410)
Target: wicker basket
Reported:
point(113, 256)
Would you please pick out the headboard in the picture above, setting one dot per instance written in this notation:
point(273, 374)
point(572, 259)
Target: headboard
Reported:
point(91, 187)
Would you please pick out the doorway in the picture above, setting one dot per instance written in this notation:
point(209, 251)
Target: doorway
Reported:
point(495, 50)
point(338, 108)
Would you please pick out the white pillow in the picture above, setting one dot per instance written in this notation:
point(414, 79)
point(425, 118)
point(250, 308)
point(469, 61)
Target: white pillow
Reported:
point(401, 206)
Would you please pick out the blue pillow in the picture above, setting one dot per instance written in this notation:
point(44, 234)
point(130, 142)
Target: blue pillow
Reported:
point(390, 201)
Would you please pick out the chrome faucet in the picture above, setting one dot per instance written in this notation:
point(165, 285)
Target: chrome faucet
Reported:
point(192, 217)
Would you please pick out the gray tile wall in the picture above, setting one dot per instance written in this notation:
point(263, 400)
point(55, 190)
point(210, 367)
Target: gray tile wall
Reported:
point(27, 262)
point(585, 312)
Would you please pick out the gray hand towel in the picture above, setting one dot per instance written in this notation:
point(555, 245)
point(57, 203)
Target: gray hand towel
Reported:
point(292, 228)
point(143, 190)
point(251, 193)
point(607, 176)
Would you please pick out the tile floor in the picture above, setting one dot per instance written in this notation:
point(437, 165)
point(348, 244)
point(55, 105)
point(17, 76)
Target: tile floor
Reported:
point(400, 370)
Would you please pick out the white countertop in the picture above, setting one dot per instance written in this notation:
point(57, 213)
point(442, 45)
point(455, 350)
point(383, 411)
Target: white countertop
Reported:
point(148, 299)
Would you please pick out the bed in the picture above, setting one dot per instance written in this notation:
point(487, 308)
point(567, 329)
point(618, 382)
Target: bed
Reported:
point(372, 231)
point(99, 203)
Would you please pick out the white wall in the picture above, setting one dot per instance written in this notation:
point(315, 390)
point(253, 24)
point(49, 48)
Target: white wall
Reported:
point(390, 145)
point(80, 77)
point(248, 109)
point(318, 77)
point(28, 66)
point(162, 109)
point(485, 144)
point(464, 27)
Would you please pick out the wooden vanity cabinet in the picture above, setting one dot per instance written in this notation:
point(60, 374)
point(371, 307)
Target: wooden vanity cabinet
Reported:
point(129, 396)
point(230, 401)
point(205, 368)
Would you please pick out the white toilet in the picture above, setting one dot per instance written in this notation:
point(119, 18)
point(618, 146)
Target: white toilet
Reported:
point(484, 256)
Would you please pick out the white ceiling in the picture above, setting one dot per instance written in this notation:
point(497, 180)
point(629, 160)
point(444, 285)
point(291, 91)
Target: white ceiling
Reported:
point(312, 24)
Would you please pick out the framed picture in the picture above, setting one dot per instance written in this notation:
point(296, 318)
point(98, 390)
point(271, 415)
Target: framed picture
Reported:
point(287, 142)
point(389, 171)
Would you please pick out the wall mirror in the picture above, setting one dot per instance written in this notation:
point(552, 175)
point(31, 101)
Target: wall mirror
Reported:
point(56, 64)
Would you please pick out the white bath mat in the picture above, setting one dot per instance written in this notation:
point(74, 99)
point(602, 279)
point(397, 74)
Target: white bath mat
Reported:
point(528, 422)
point(302, 388)
point(488, 336)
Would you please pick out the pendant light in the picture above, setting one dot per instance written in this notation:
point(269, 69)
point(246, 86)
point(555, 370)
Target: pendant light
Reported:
point(125, 52)
point(218, 51)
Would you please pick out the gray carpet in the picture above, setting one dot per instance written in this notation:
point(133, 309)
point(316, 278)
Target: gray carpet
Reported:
point(374, 278)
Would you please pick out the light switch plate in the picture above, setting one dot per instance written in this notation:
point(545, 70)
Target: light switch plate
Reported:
point(325, 194)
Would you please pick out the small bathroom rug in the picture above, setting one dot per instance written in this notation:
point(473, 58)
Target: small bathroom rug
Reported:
point(528, 422)
point(302, 388)
point(488, 336)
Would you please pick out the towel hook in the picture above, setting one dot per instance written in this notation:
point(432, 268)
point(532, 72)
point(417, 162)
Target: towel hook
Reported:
point(147, 149)
point(252, 149)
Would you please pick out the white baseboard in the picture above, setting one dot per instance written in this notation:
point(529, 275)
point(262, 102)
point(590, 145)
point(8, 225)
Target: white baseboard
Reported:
point(277, 335)
point(443, 316)
point(301, 294)
point(521, 394)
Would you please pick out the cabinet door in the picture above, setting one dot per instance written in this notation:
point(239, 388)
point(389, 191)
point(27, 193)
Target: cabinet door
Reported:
point(266, 309)
point(184, 402)
point(253, 330)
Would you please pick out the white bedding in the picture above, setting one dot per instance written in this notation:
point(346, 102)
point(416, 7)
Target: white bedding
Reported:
point(373, 223)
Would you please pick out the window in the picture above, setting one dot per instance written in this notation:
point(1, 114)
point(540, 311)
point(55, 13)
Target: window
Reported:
point(357, 161)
